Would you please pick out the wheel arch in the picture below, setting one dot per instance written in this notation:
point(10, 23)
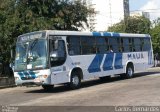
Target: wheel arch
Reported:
point(129, 63)
point(77, 69)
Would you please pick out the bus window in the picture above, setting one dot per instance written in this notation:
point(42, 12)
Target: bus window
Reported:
point(88, 45)
point(147, 45)
point(126, 44)
point(137, 44)
point(102, 45)
point(114, 44)
point(130, 44)
point(120, 44)
point(74, 45)
point(57, 55)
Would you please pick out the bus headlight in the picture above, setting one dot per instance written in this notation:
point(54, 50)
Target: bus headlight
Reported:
point(16, 78)
point(42, 76)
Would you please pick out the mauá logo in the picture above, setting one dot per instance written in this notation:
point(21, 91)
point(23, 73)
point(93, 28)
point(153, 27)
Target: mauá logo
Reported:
point(136, 56)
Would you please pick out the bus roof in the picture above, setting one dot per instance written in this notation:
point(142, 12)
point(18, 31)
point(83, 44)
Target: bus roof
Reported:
point(109, 34)
point(98, 34)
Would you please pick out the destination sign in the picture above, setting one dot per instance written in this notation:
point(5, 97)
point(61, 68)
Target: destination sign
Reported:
point(31, 36)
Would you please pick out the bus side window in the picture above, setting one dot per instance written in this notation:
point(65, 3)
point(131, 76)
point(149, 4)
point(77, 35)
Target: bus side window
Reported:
point(142, 43)
point(60, 53)
point(147, 44)
point(113, 42)
point(120, 44)
point(130, 44)
point(88, 45)
point(126, 44)
point(137, 44)
point(102, 45)
point(73, 45)
point(133, 45)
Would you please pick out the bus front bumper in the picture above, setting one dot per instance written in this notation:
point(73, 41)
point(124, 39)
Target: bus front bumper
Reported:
point(24, 82)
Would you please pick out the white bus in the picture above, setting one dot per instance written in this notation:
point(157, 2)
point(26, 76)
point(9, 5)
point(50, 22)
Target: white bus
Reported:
point(54, 57)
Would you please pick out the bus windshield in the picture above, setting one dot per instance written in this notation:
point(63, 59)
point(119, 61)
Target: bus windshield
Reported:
point(31, 55)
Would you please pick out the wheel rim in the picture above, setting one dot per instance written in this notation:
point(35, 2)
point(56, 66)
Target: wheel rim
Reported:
point(75, 80)
point(130, 72)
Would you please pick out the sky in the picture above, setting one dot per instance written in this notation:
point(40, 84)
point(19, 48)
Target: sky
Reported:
point(111, 12)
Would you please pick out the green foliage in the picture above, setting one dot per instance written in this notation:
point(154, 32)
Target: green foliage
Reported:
point(137, 24)
point(22, 16)
point(155, 34)
point(119, 27)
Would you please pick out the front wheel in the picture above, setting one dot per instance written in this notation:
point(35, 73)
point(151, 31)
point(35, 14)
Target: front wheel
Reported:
point(48, 87)
point(75, 82)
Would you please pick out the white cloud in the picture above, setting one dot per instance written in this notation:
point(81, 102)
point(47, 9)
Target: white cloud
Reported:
point(149, 6)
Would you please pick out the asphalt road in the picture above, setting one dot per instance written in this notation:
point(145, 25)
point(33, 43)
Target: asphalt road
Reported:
point(142, 90)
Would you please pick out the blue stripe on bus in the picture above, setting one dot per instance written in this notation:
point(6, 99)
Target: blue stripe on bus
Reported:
point(108, 62)
point(20, 74)
point(106, 34)
point(96, 34)
point(27, 74)
point(118, 61)
point(116, 35)
point(95, 64)
point(33, 75)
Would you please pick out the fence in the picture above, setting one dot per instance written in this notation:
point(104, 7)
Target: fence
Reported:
point(6, 75)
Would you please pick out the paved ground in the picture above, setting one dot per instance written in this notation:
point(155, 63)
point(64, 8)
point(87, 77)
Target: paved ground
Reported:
point(142, 90)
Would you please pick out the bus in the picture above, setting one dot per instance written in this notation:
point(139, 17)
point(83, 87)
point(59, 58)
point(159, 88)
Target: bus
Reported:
point(51, 57)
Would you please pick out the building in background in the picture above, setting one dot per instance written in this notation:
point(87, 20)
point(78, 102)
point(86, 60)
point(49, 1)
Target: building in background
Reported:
point(91, 18)
point(110, 12)
point(140, 13)
point(126, 8)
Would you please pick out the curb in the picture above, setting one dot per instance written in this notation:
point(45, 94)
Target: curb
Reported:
point(7, 86)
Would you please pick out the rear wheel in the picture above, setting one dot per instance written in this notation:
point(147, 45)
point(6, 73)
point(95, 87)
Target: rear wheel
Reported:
point(129, 72)
point(75, 82)
point(48, 87)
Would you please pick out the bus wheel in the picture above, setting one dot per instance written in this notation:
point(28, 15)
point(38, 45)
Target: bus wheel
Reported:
point(129, 72)
point(75, 82)
point(48, 87)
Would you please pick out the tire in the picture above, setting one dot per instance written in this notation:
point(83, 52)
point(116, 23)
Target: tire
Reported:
point(129, 72)
point(75, 81)
point(48, 87)
point(105, 78)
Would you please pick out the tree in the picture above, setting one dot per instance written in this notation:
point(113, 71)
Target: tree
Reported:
point(7, 26)
point(52, 14)
point(155, 34)
point(137, 24)
point(118, 27)
point(22, 16)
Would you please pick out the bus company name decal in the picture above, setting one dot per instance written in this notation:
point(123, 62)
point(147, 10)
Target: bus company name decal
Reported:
point(135, 56)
